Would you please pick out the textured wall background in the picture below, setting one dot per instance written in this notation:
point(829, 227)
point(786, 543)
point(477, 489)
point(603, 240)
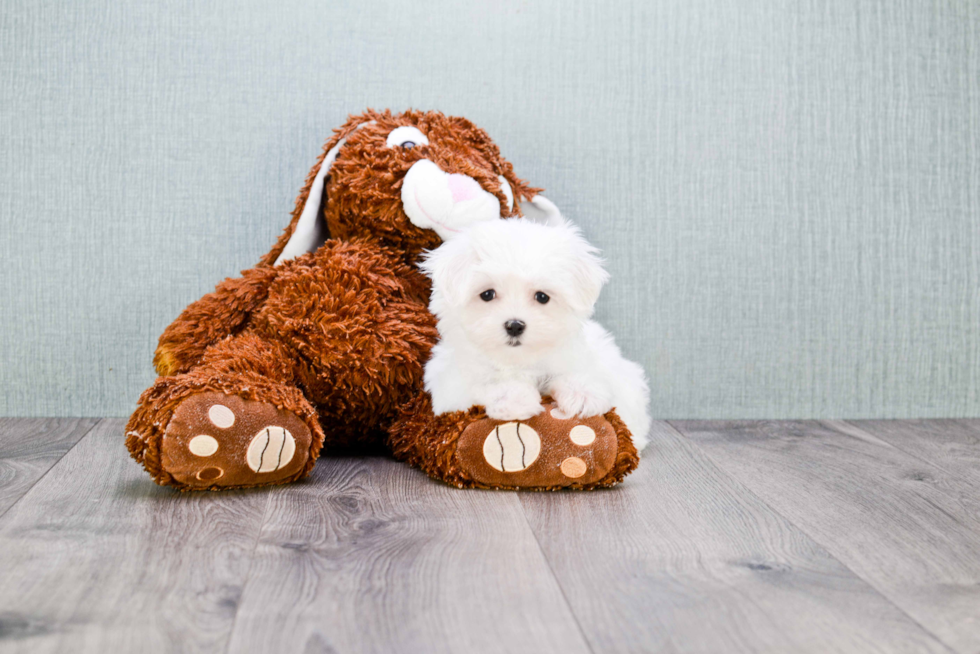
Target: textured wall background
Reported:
point(787, 192)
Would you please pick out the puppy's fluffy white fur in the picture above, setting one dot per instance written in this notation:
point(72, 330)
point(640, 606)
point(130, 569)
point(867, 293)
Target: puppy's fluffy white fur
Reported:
point(494, 274)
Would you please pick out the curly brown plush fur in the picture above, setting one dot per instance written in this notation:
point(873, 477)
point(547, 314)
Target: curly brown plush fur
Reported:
point(337, 337)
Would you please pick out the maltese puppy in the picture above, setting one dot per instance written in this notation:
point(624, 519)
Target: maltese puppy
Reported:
point(513, 300)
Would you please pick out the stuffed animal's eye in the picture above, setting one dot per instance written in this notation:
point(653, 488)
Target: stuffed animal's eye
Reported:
point(541, 297)
point(406, 137)
point(488, 295)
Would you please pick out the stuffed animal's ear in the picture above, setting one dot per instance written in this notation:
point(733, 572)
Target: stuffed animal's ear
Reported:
point(311, 230)
point(449, 267)
point(308, 229)
point(541, 210)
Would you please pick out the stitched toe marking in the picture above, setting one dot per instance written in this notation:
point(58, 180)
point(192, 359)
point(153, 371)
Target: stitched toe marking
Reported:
point(511, 447)
point(271, 449)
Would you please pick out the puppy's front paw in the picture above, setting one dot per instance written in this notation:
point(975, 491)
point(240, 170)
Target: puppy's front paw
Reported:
point(513, 402)
point(577, 399)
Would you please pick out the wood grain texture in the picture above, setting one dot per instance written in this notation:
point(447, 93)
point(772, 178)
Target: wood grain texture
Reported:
point(742, 537)
point(96, 558)
point(953, 446)
point(371, 556)
point(28, 449)
point(887, 515)
point(682, 558)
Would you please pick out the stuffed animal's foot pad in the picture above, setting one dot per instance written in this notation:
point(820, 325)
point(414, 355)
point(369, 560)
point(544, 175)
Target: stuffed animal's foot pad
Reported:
point(545, 451)
point(215, 440)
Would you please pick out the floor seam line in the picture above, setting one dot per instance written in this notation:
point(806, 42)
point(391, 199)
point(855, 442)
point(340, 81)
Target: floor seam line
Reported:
point(823, 547)
point(248, 573)
point(925, 462)
point(551, 570)
point(98, 421)
point(897, 447)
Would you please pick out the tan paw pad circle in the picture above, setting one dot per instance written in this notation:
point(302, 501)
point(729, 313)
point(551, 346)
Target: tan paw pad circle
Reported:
point(203, 445)
point(511, 447)
point(221, 416)
point(573, 467)
point(271, 449)
point(582, 435)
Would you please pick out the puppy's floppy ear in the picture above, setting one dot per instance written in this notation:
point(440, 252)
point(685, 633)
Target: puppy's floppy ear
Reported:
point(585, 272)
point(449, 267)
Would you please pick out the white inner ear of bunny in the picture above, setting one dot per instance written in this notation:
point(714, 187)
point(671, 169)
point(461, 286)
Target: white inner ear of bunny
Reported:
point(542, 211)
point(401, 135)
point(311, 229)
point(508, 191)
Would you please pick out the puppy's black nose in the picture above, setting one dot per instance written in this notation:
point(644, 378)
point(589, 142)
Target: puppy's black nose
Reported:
point(514, 327)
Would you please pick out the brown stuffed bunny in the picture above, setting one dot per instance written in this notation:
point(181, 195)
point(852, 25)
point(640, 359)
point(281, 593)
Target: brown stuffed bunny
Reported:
point(324, 341)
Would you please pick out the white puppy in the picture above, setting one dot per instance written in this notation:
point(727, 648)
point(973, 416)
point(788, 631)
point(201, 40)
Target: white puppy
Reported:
point(513, 300)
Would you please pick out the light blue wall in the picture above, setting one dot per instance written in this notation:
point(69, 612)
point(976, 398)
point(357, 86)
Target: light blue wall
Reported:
point(787, 192)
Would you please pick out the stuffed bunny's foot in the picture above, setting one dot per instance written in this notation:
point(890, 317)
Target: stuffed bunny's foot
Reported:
point(216, 440)
point(548, 450)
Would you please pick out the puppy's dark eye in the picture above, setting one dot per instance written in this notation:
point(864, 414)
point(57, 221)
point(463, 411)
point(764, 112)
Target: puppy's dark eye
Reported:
point(541, 297)
point(488, 295)
point(408, 145)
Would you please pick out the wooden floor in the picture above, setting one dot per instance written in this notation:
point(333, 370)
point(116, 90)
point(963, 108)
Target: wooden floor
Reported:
point(731, 537)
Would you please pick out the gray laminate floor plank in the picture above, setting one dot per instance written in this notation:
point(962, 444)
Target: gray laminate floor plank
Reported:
point(745, 537)
point(97, 558)
point(28, 449)
point(682, 558)
point(372, 556)
point(886, 514)
point(951, 445)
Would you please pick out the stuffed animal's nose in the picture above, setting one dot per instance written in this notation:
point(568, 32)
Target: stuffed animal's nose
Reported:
point(463, 187)
point(514, 327)
point(446, 203)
